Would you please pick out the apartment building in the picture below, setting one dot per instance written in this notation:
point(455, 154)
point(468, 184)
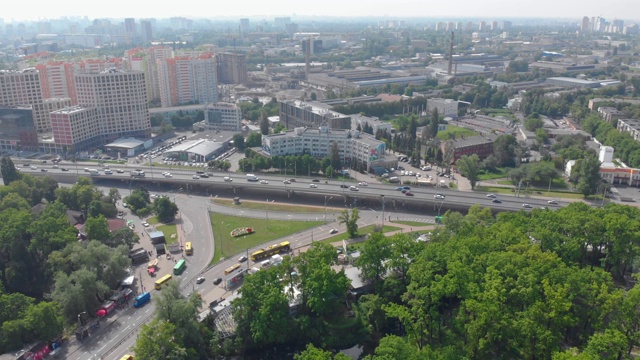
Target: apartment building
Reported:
point(120, 98)
point(146, 60)
point(630, 126)
point(223, 116)
point(232, 68)
point(187, 80)
point(354, 147)
point(57, 79)
point(22, 88)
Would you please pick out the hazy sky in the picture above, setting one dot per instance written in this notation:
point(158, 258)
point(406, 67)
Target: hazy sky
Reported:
point(47, 9)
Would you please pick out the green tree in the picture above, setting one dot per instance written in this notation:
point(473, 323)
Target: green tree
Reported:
point(123, 236)
point(314, 353)
point(469, 166)
point(156, 340)
point(8, 170)
point(334, 156)
point(44, 321)
point(238, 141)
point(254, 140)
point(262, 313)
point(373, 256)
point(350, 220)
point(434, 123)
point(264, 123)
point(504, 150)
point(165, 209)
point(97, 228)
point(588, 175)
point(114, 195)
point(14, 201)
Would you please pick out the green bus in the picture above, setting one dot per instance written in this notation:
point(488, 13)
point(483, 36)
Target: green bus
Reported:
point(179, 268)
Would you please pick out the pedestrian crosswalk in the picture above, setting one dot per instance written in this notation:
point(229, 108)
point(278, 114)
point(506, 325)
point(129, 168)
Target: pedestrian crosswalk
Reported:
point(422, 220)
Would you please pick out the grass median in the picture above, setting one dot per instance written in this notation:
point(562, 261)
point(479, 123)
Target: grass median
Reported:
point(170, 231)
point(264, 231)
point(270, 206)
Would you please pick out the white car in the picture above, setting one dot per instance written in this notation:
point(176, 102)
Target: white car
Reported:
point(287, 182)
point(119, 171)
point(145, 224)
point(353, 188)
point(438, 196)
point(363, 184)
point(226, 178)
point(264, 182)
point(168, 175)
point(108, 172)
point(333, 231)
point(243, 258)
point(195, 177)
point(552, 202)
point(34, 167)
point(313, 186)
point(528, 206)
point(491, 195)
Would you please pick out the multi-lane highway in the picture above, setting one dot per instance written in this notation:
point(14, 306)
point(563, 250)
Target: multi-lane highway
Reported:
point(276, 183)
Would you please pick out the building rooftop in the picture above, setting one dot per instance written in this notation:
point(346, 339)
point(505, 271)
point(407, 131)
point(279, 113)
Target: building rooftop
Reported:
point(474, 140)
point(200, 147)
point(126, 143)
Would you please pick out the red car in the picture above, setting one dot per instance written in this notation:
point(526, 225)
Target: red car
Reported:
point(408, 193)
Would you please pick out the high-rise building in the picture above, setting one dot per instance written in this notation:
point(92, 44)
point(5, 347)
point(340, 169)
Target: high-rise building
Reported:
point(482, 26)
point(188, 80)
point(585, 25)
point(57, 79)
point(223, 116)
point(146, 60)
point(76, 128)
point(21, 88)
point(146, 31)
point(244, 26)
point(506, 25)
point(232, 68)
point(494, 25)
point(120, 98)
point(130, 26)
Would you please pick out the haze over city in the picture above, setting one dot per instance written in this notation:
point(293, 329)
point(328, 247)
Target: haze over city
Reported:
point(379, 8)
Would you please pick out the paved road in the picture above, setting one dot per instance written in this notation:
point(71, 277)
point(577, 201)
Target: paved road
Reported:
point(119, 332)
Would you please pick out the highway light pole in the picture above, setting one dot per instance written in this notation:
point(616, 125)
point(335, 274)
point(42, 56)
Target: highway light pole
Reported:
point(383, 203)
point(325, 207)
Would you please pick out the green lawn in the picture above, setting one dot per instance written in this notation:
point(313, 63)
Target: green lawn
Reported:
point(362, 231)
point(265, 231)
point(253, 205)
point(495, 174)
point(534, 192)
point(170, 230)
point(455, 132)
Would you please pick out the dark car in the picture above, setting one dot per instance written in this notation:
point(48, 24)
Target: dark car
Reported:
point(204, 176)
point(315, 180)
point(64, 169)
point(217, 281)
point(344, 186)
point(43, 170)
point(496, 201)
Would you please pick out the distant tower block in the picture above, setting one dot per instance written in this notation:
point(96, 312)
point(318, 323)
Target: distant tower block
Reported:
point(307, 64)
point(450, 56)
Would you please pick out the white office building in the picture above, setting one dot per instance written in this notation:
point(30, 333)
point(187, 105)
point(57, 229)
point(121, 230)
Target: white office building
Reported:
point(223, 116)
point(354, 147)
point(446, 107)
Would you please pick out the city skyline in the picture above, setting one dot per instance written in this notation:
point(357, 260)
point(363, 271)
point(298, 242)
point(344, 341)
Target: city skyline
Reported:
point(615, 9)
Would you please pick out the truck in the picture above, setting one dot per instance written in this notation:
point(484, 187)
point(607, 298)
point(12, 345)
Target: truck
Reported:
point(252, 177)
point(139, 255)
point(137, 173)
point(141, 299)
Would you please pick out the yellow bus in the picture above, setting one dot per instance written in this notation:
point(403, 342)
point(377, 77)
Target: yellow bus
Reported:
point(163, 280)
point(284, 246)
point(188, 249)
point(231, 269)
point(127, 357)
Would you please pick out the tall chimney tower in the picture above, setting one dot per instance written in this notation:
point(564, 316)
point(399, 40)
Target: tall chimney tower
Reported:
point(450, 56)
point(307, 64)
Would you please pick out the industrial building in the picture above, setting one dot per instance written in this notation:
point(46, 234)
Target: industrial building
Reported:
point(446, 107)
point(201, 150)
point(475, 145)
point(223, 116)
point(573, 82)
point(295, 113)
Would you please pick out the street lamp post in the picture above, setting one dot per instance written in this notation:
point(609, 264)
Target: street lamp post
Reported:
point(383, 203)
point(325, 207)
